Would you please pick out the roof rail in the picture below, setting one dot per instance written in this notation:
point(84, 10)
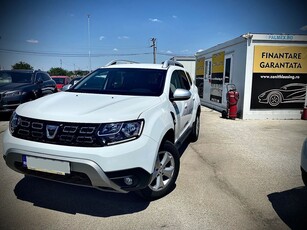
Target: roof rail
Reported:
point(167, 63)
point(114, 62)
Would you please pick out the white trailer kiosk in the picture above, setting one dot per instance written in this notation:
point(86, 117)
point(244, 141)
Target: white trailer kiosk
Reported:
point(268, 70)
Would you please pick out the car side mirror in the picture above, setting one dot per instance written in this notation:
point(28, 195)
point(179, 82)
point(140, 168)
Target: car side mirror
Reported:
point(181, 95)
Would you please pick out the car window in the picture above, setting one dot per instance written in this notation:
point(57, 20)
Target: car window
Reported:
point(175, 82)
point(59, 80)
point(185, 82)
point(126, 81)
point(5, 78)
point(15, 77)
point(45, 77)
point(293, 87)
point(189, 78)
point(179, 81)
point(38, 77)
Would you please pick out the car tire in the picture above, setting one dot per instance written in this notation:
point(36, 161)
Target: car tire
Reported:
point(195, 129)
point(165, 173)
point(304, 177)
point(274, 99)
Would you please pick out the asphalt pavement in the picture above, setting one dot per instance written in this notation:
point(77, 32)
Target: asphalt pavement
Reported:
point(240, 174)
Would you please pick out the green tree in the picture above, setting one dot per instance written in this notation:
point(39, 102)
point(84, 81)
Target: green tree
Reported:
point(81, 72)
point(57, 71)
point(22, 65)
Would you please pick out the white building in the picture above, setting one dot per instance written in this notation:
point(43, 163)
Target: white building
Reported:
point(268, 70)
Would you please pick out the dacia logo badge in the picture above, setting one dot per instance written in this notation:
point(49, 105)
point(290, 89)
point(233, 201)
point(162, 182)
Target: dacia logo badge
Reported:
point(51, 131)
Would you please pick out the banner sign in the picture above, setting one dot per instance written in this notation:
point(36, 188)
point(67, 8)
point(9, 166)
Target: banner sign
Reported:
point(217, 77)
point(279, 77)
point(200, 74)
point(200, 67)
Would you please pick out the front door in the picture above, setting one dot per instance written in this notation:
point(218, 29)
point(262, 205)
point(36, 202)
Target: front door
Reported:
point(184, 108)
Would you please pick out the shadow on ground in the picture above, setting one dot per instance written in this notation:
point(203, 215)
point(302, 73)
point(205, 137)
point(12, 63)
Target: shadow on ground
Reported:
point(76, 199)
point(291, 207)
point(5, 116)
point(183, 146)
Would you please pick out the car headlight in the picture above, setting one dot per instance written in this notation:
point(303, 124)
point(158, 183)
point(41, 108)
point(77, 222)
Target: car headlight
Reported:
point(261, 95)
point(14, 122)
point(13, 93)
point(115, 133)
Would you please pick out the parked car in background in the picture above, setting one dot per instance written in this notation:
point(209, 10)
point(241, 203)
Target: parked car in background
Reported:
point(304, 162)
point(61, 81)
point(75, 80)
point(72, 83)
point(19, 86)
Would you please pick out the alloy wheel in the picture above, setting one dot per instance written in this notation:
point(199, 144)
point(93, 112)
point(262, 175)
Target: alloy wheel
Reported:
point(164, 171)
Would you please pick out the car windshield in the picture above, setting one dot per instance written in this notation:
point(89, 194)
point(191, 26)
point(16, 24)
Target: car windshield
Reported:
point(123, 81)
point(7, 77)
point(59, 80)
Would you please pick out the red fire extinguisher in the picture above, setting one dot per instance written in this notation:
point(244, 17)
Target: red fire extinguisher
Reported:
point(232, 101)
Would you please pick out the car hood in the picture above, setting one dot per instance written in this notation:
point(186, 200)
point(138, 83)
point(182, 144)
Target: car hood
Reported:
point(89, 108)
point(12, 86)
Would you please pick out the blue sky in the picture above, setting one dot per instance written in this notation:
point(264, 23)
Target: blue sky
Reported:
point(54, 33)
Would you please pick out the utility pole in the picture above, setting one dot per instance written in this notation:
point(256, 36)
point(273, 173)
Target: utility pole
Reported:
point(89, 42)
point(61, 62)
point(154, 49)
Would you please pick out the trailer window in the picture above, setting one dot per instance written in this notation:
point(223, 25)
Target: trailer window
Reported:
point(227, 70)
point(208, 67)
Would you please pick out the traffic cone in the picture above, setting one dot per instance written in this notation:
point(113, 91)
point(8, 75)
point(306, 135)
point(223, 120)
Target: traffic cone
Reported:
point(304, 114)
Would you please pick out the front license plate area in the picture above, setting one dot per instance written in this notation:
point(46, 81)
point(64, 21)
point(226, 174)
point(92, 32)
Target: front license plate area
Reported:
point(46, 165)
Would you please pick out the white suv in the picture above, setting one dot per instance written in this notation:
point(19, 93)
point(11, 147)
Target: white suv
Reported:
point(118, 129)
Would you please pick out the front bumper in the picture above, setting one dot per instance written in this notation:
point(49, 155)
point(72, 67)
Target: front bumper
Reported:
point(105, 168)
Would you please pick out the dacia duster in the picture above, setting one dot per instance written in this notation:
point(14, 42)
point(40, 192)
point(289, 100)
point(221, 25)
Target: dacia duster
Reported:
point(118, 130)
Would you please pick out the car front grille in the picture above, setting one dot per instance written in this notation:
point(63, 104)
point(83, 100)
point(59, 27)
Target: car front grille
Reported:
point(60, 133)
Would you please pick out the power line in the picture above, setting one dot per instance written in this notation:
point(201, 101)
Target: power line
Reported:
point(56, 54)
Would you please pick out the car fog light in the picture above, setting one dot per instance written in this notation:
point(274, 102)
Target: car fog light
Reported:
point(128, 180)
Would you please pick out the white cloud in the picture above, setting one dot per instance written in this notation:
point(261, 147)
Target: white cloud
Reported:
point(200, 50)
point(174, 17)
point(123, 37)
point(154, 20)
point(33, 41)
point(115, 49)
point(185, 51)
point(101, 38)
point(169, 52)
point(304, 28)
